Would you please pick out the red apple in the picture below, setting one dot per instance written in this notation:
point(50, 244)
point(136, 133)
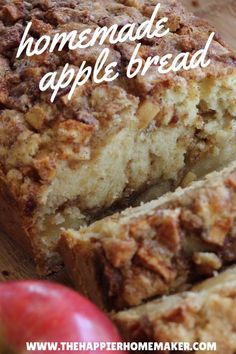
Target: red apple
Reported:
point(38, 311)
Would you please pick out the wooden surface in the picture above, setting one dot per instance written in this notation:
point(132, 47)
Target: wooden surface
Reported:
point(14, 264)
point(220, 13)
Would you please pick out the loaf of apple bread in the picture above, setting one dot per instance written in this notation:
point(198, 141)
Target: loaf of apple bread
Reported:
point(63, 163)
point(158, 248)
point(206, 314)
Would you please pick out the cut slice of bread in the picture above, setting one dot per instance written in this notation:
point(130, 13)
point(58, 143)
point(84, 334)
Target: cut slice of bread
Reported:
point(158, 248)
point(206, 314)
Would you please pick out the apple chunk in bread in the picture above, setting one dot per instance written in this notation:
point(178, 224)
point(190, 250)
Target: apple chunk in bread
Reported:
point(158, 248)
point(63, 163)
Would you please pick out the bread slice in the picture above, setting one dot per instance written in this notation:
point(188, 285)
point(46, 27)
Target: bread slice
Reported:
point(63, 163)
point(158, 248)
point(207, 313)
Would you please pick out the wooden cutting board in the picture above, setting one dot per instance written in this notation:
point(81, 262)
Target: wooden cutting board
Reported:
point(14, 263)
point(220, 13)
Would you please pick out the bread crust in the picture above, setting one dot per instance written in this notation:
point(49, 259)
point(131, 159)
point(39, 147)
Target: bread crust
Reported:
point(12, 219)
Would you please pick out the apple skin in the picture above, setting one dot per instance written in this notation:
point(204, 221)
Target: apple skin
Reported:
point(46, 312)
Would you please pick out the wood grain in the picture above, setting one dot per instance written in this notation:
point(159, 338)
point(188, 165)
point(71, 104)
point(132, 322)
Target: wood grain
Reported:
point(14, 263)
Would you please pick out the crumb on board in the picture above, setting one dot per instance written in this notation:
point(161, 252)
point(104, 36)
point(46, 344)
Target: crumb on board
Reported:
point(195, 3)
